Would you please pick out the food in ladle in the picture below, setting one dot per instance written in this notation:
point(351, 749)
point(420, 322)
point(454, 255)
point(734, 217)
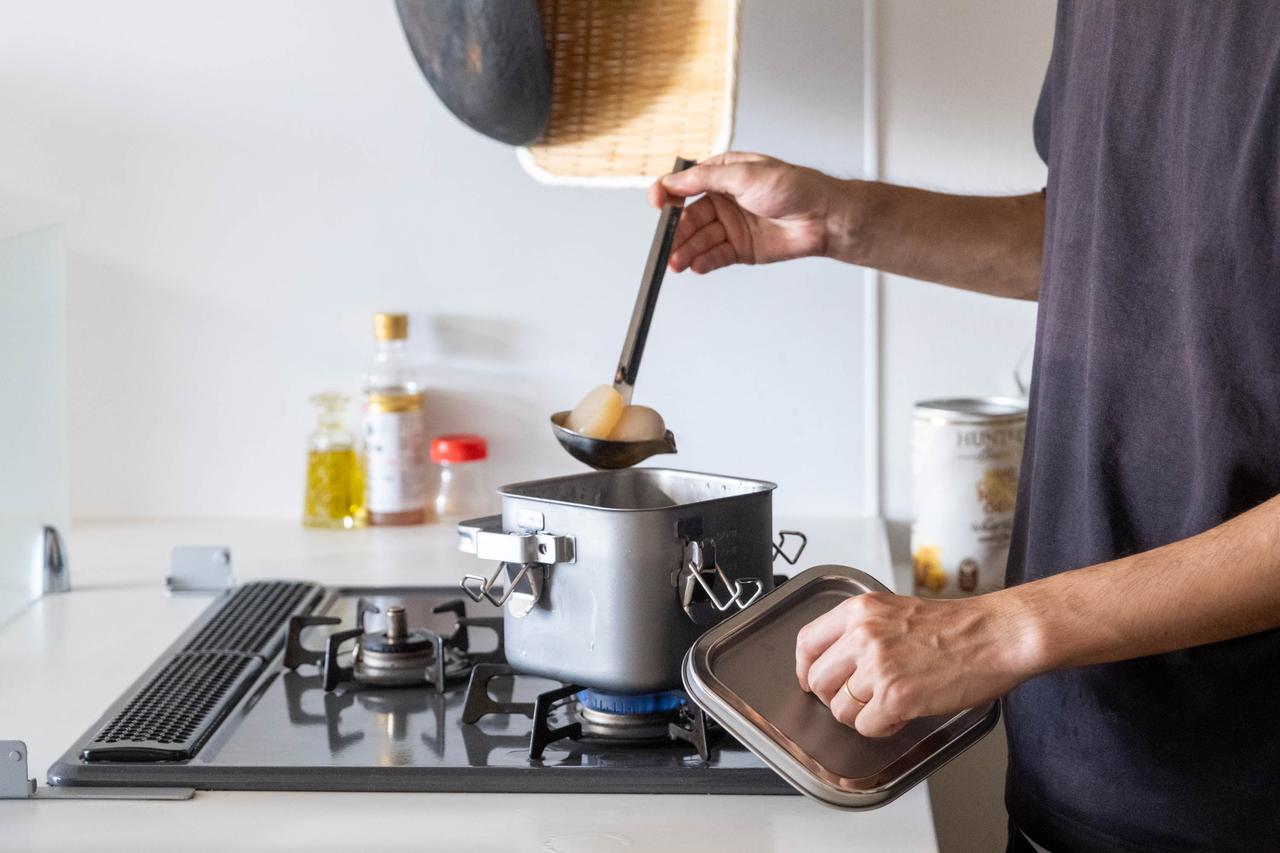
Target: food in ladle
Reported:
point(601, 414)
point(638, 423)
point(597, 414)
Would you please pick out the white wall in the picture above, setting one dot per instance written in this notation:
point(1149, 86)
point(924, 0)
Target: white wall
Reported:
point(957, 86)
point(244, 184)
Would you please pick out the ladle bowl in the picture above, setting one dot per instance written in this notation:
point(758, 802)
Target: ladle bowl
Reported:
point(603, 454)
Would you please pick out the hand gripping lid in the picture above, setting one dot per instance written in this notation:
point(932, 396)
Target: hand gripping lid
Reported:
point(742, 673)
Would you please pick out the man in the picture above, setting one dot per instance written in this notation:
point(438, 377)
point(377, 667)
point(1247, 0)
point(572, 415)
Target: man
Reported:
point(1134, 646)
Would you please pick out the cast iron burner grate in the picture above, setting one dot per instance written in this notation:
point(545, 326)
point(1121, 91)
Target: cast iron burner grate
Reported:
point(397, 656)
point(662, 720)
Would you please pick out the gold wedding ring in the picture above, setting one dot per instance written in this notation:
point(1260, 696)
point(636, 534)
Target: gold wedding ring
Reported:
point(851, 696)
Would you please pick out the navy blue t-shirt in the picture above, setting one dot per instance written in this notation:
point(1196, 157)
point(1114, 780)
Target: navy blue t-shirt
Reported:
point(1155, 413)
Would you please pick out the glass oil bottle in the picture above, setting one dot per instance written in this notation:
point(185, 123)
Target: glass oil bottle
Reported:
point(335, 473)
point(395, 429)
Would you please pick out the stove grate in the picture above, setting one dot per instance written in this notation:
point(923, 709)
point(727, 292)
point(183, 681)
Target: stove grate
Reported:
point(170, 717)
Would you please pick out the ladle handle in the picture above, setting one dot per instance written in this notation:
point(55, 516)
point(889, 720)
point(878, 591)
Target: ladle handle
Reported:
point(624, 379)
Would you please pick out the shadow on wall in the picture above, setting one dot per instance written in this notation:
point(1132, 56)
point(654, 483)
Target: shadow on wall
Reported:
point(133, 338)
point(471, 338)
point(475, 385)
point(510, 410)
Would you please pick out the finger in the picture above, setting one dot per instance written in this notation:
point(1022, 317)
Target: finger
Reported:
point(735, 157)
point(813, 639)
point(830, 671)
point(657, 194)
point(721, 256)
point(730, 178)
point(876, 720)
point(846, 708)
point(863, 682)
point(698, 215)
point(703, 240)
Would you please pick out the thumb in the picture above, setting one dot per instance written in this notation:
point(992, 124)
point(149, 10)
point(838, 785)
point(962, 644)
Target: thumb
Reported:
point(728, 179)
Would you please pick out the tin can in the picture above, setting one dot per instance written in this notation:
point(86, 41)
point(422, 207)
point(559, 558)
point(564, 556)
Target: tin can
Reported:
point(965, 457)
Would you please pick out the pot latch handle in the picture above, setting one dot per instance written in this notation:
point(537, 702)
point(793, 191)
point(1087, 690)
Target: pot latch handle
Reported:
point(701, 572)
point(485, 538)
point(780, 547)
point(523, 559)
point(523, 589)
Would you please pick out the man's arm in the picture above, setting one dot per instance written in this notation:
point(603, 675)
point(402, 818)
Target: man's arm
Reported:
point(906, 657)
point(757, 210)
point(987, 244)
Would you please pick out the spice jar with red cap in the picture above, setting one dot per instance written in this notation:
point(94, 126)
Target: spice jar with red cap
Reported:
point(462, 489)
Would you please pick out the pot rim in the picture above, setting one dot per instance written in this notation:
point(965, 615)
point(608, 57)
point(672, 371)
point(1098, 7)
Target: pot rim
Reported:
point(759, 487)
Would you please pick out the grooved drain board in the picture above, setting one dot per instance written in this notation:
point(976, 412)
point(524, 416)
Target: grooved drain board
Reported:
point(250, 621)
point(172, 714)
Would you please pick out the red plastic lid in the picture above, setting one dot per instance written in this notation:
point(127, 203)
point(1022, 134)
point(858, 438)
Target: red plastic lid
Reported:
point(458, 448)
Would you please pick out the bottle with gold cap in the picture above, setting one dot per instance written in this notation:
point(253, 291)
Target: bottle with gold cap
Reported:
point(395, 430)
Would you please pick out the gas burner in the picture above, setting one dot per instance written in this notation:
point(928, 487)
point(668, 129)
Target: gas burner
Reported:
point(398, 656)
point(618, 716)
point(598, 718)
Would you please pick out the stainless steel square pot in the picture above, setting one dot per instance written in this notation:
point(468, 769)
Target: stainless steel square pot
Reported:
point(608, 577)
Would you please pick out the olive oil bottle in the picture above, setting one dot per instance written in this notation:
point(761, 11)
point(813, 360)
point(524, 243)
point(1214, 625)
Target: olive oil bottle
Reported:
point(335, 473)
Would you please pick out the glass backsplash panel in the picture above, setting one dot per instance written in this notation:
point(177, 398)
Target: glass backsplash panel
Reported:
point(33, 410)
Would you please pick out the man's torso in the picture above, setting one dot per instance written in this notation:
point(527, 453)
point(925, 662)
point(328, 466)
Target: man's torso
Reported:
point(1155, 411)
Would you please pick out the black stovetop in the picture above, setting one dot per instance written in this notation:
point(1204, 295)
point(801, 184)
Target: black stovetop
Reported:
point(220, 710)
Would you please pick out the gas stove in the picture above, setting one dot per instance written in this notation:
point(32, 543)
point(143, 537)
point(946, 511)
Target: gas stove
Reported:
point(286, 685)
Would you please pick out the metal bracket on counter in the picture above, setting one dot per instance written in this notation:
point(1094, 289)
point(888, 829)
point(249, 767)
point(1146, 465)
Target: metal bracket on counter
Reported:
point(195, 569)
point(15, 784)
point(56, 574)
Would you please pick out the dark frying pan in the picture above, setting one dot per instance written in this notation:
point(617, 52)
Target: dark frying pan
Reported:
point(487, 61)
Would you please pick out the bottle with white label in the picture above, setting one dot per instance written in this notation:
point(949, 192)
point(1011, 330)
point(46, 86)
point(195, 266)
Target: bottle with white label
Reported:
point(395, 429)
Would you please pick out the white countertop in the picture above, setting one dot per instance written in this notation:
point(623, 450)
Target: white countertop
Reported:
point(68, 656)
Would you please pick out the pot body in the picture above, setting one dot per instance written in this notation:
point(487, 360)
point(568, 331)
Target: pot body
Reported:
point(613, 619)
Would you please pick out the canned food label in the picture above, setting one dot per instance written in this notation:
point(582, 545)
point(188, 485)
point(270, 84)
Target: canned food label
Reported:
point(965, 478)
point(395, 459)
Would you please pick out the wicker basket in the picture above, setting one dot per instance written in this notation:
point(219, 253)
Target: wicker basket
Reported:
point(634, 83)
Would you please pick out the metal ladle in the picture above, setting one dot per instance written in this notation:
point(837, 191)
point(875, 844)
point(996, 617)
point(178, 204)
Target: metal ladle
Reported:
point(601, 453)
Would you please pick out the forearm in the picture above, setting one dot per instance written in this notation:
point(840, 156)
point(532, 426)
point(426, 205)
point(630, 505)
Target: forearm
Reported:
point(1215, 586)
point(988, 244)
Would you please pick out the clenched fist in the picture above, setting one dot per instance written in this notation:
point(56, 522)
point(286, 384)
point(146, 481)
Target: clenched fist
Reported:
point(879, 660)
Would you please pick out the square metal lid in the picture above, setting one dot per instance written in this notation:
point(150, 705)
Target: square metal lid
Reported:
point(742, 673)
